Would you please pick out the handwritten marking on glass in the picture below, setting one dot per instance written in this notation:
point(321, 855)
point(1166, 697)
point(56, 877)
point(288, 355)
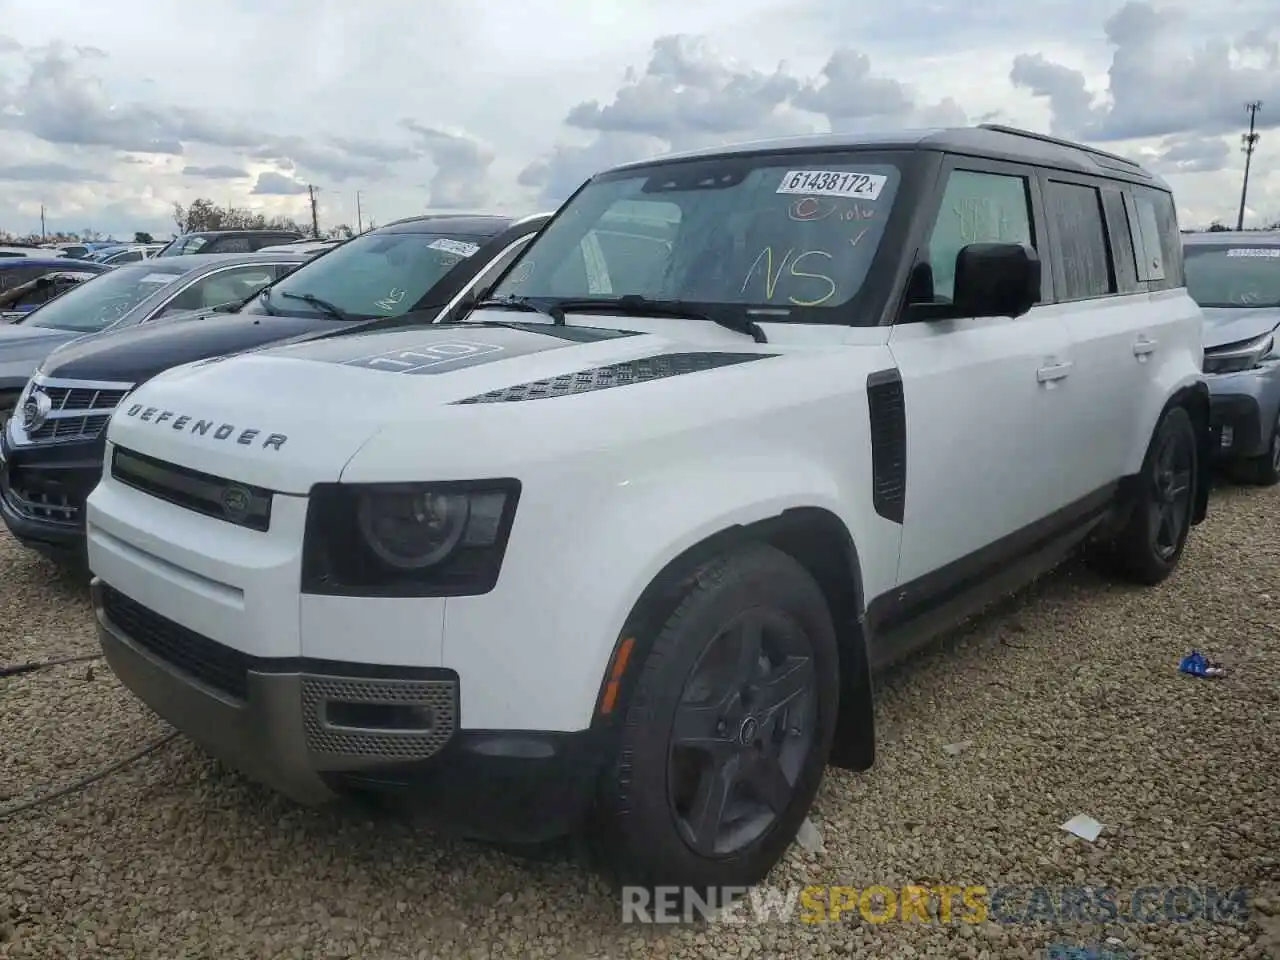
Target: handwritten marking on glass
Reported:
point(790, 264)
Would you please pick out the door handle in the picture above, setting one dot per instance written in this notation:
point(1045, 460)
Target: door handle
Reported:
point(1143, 346)
point(1055, 371)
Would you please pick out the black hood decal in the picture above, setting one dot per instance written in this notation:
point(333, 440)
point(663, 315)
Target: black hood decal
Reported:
point(624, 374)
point(440, 348)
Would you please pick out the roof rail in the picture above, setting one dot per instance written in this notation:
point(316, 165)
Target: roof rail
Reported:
point(1045, 138)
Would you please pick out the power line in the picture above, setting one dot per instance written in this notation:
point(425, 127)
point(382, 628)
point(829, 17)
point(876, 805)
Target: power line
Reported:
point(1249, 143)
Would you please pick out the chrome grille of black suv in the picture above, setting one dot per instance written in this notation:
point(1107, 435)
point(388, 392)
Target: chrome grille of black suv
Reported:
point(77, 410)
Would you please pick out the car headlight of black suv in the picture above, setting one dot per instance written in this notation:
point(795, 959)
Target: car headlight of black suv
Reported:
point(407, 539)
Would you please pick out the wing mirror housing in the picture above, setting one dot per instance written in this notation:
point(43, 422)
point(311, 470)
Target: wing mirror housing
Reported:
point(996, 280)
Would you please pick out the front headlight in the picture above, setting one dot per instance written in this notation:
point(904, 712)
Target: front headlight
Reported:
point(428, 539)
point(1237, 357)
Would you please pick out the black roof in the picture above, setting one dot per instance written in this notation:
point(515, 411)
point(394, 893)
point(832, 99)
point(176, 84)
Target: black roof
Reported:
point(247, 232)
point(1234, 238)
point(474, 224)
point(985, 140)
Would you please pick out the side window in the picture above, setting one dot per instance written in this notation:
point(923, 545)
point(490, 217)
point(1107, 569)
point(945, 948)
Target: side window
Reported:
point(1122, 246)
point(226, 286)
point(1170, 239)
point(17, 276)
point(1146, 230)
point(230, 245)
point(1076, 212)
point(129, 256)
point(976, 208)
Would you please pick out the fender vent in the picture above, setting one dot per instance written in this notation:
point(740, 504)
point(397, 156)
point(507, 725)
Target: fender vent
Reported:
point(615, 375)
point(888, 409)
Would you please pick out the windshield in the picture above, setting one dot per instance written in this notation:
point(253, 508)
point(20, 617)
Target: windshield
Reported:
point(96, 304)
point(1222, 276)
point(784, 237)
point(183, 245)
point(374, 275)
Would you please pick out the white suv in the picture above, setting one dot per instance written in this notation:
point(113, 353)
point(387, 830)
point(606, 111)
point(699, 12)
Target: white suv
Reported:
point(622, 551)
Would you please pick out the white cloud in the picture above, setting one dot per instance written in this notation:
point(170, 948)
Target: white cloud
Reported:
point(109, 116)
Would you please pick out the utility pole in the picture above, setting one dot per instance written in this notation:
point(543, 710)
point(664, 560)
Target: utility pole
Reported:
point(1249, 141)
point(43, 233)
point(315, 219)
point(359, 219)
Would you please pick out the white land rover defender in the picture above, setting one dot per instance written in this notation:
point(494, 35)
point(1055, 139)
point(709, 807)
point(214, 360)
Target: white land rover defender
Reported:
point(621, 552)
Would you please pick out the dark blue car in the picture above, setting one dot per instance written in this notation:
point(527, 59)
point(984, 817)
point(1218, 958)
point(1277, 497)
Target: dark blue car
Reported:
point(20, 289)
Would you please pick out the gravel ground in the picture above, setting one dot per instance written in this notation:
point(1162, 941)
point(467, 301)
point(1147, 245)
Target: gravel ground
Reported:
point(1069, 696)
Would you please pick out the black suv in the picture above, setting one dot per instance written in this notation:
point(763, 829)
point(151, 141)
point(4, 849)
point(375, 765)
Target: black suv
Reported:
point(413, 271)
point(226, 241)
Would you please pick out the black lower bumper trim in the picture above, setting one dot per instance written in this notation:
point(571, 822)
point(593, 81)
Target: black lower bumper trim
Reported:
point(507, 787)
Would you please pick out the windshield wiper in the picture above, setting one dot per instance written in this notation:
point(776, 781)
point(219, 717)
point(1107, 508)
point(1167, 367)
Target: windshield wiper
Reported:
point(636, 305)
point(336, 312)
point(522, 303)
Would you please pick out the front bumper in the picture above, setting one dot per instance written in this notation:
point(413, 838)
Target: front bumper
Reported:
point(43, 489)
point(1243, 410)
point(1236, 426)
point(314, 730)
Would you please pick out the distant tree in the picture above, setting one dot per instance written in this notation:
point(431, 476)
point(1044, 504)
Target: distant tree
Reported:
point(142, 236)
point(341, 232)
point(1217, 227)
point(204, 215)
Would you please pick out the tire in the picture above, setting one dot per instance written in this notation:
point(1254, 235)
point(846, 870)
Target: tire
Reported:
point(1146, 551)
point(641, 832)
point(1265, 470)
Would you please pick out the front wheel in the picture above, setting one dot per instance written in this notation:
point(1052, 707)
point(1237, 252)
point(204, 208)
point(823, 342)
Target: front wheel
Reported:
point(1150, 546)
point(725, 740)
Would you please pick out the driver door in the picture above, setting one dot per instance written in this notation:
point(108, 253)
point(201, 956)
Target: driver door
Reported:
point(984, 401)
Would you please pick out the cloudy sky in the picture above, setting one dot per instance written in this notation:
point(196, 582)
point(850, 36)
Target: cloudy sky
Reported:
point(111, 112)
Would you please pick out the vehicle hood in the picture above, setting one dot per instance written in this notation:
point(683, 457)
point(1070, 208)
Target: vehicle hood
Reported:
point(330, 396)
point(22, 349)
point(1223, 325)
point(137, 353)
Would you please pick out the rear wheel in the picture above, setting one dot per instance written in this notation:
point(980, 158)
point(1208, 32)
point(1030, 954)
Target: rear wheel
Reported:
point(1148, 549)
point(725, 740)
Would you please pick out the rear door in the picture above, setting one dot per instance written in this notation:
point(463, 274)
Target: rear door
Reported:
point(1106, 310)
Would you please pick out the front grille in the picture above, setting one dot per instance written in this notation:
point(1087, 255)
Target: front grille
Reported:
point(44, 505)
point(437, 699)
point(238, 503)
point(75, 412)
point(206, 660)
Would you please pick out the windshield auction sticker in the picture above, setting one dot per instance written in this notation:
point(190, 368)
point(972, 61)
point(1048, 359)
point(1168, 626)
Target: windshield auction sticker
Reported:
point(1272, 253)
point(833, 183)
point(454, 246)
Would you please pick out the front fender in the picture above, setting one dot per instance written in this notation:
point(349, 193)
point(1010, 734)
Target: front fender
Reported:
point(576, 567)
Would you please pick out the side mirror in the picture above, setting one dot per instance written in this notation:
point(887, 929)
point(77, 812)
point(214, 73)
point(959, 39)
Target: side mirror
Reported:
point(996, 280)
